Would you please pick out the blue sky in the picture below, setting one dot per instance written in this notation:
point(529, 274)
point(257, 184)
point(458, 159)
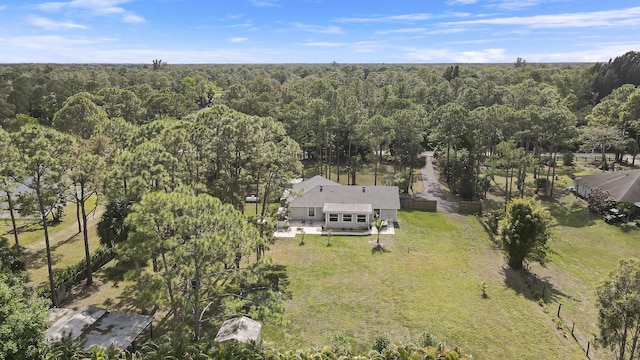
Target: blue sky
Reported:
point(317, 31)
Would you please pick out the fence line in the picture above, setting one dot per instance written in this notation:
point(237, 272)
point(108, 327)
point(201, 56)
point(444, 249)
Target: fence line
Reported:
point(567, 326)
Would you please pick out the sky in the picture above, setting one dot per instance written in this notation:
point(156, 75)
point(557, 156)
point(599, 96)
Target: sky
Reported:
point(317, 31)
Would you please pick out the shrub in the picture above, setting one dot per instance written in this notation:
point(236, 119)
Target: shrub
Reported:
point(599, 201)
point(380, 343)
point(493, 218)
point(541, 184)
point(568, 159)
point(341, 343)
point(427, 339)
point(75, 273)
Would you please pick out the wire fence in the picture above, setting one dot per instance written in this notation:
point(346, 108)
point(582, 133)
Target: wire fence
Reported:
point(538, 289)
point(544, 292)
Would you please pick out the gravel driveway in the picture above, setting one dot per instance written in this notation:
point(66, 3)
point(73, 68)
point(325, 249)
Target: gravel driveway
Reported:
point(431, 185)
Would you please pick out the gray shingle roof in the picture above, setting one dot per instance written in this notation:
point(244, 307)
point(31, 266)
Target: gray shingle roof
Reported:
point(624, 186)
point(380, 197)
point(309, 184)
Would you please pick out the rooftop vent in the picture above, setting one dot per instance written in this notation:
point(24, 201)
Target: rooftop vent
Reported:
point(363, 189)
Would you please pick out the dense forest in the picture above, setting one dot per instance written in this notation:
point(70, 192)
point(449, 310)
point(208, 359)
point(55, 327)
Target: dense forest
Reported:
point(149, 138)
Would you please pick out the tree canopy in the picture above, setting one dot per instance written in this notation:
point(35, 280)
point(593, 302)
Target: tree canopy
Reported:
point(618, 303)
point(524, 231)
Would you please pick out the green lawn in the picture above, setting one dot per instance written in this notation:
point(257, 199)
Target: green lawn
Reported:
point(63, 254)
point(30, 230)
point(584, 250)
point(426, 280)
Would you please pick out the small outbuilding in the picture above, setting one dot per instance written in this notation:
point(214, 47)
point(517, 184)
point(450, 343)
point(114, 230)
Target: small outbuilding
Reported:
point(95, 326)
point(241, 329)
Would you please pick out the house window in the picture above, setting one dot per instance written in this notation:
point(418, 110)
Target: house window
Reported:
point(312, 212)
point(376, 212)
point(347, 217)
point(362, 218)
point(333, 217)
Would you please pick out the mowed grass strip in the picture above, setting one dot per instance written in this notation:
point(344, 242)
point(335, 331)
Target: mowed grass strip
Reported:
point(427, 279)
point(63, 254)
point(30, 230)
point(584, 250)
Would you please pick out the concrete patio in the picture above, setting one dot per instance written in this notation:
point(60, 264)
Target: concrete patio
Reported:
point(296, 227)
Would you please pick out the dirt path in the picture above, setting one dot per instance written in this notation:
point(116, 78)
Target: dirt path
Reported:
point(431, 186)
point(69, 231)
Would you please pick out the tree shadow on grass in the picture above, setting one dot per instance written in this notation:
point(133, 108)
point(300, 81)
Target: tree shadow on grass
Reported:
point(82, 291)
point(532, 286)
point(379, 249)
point(571, 214)
point(39, 259)
point(117, 273)
point(277, 279)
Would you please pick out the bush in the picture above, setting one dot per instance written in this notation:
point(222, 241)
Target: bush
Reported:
point(541, 184)
point(427, 340)
point(342, 343)
point(380, 343)
point(75, 273)
point(599, 201)
point(568, 159)
point(492, 219)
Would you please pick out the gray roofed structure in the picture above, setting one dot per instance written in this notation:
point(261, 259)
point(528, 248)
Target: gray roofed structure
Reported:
point(380, 197)
point(242, 329)
point(96, 326)
point(72, 322)
point(309, 184)
point(623, 186)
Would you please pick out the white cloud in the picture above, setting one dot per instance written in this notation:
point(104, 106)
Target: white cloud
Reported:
point(597, 52)
point(516, 4)
point(611, 18)
point(335, 30)
point(391, 18)
point(50, 42)
point(461, 2)
point(402, 31)
point(265, 3)
point(3, 7)
point(132, 18)
point(324, 44)
point(94, 7)
point(54, 25)
point(237, 39)
point(449, 56)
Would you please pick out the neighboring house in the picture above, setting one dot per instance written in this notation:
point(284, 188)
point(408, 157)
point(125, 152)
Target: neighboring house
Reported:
point(336, 206)
point(4, 206)
point(623, 186)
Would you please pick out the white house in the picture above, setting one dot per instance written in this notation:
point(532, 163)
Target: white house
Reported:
point(335, 206)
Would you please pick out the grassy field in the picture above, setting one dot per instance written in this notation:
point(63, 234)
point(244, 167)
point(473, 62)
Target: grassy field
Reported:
point(426, 279)
point(30, 230)
point(584, 250)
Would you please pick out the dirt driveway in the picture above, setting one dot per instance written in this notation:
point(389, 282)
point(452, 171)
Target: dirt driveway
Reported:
point(431, 186)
